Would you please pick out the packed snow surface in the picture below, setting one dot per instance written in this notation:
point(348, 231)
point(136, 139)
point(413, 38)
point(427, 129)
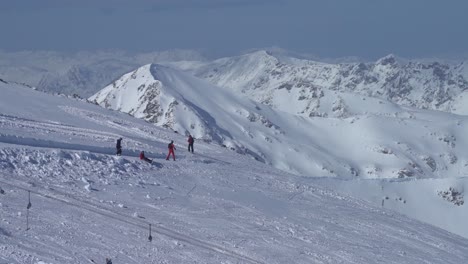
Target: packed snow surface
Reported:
point(213, 206)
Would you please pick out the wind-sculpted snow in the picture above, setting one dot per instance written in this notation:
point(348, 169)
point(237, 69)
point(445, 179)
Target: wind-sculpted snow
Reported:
point(213, 206)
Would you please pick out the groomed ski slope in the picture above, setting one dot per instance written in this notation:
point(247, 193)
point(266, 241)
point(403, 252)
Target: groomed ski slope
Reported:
point(214, 206)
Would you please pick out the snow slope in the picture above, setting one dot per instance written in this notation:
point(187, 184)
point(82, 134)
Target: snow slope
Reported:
point(215, 206)
point(364, 137)
point(440, 202)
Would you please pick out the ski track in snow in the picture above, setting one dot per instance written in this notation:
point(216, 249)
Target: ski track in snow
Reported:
point(73, 201)
point(65, 131)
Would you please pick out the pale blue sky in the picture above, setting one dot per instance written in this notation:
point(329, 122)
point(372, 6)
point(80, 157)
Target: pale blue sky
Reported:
point(326, 28)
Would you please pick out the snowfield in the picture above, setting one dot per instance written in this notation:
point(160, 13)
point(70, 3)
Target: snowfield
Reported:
point(213, 206)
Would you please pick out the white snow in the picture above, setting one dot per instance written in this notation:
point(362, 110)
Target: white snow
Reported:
point(213, 206)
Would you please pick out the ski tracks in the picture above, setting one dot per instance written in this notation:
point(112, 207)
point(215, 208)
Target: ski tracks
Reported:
point(73, 201)
point(117, 123)
point(37, 133)
point(46, 128)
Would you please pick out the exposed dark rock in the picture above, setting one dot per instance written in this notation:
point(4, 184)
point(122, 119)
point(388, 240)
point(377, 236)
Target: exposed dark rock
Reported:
point(452, 195)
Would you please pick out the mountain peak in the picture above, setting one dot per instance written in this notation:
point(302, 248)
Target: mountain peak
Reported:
point(261, 56)
point(390, 59)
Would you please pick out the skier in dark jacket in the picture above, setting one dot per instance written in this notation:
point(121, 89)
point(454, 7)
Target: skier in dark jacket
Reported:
point(171, 149)
point(143, 157)
point(118, 146)
point(108, 261)
point(190, 141)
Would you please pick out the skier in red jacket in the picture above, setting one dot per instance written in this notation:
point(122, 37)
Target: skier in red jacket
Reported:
point(171, 148)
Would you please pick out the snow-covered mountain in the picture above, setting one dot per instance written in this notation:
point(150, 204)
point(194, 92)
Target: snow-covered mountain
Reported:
point(81, 73)
point(273, 79)
point(262, 75)
point(214, 206)
point(364, 138)
point(383, 132)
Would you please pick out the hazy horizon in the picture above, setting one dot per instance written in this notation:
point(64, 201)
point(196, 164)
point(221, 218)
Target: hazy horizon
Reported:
point(325, 29)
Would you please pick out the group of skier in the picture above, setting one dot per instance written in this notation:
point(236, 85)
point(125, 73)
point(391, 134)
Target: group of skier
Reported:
point(171, 148)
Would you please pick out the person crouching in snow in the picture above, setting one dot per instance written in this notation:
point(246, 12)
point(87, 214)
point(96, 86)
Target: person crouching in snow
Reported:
point(143, 157)
point(171, 149)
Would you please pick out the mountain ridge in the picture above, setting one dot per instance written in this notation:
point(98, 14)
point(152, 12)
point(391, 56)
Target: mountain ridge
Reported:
point(171, 98)
point(428, 85)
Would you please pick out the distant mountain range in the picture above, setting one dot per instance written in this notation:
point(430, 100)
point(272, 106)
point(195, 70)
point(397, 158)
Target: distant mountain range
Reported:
point(261, 75)
point(82, 73)
point(265, 78)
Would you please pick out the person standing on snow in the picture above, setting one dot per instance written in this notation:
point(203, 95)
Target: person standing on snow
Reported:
point(108, 261)
point(143, 157)
point(118, 146)
point(190, 141)
point(171, 149)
